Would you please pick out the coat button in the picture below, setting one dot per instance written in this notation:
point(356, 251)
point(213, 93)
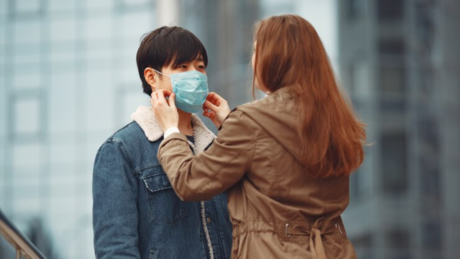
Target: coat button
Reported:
point(208, 219)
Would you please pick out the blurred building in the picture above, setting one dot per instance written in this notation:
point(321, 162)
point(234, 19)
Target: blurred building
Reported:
point(400, 62)
point(225, 27)
point(68, 80)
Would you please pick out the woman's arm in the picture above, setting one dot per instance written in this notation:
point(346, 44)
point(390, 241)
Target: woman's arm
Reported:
point(201, 177)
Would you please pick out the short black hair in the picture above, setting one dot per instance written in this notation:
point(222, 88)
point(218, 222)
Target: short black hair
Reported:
point(167, 45)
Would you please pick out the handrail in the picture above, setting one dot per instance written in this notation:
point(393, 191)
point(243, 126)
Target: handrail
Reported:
point(22, 245)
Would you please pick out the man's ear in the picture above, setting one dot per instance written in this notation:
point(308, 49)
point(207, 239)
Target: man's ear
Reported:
point(150, 77)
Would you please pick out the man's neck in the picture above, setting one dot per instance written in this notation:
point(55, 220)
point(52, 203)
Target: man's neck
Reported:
point(185, 123)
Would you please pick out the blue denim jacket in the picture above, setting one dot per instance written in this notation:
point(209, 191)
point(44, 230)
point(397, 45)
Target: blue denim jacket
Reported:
point(136, 213)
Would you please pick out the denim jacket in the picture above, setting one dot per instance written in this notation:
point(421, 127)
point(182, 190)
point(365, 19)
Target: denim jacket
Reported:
point(137, 214)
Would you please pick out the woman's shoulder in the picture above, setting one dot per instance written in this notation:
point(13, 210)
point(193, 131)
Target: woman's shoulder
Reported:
point(239, 119)
point(277, 98)
point(253, 105)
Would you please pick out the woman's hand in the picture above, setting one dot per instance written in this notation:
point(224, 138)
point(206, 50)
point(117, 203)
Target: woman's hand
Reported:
point(216, 108)
point(165, 110)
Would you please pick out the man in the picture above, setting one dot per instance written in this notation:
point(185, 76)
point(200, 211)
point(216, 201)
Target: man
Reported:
point(136, 213)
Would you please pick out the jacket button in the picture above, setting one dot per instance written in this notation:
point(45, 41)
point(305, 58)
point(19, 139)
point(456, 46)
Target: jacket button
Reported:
point(208, 219)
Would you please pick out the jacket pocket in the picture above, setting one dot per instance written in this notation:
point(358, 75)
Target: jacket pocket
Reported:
point(164, 205)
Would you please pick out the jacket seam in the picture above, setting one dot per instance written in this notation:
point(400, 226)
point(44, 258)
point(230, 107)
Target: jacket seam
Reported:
point(206, 230)
point(253, 151)
point(124, 152)
point(146, 166)
point(116, 132)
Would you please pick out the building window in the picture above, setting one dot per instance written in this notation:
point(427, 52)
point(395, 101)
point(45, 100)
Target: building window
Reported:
point(392, 88)
point(26, 76)
point(425, 27)
point(397, 239)
point(398, 242)
point(32, 37)
point(355, 8)
point(25, 9)
point(432, 235)
point(429, 159)
point(134, 2)
point(134, 5)
point(392, 80)
point(363, 245)
point(26, 115)
point(390, 10)
point(393, 47)
point(356, 185)
point(392, 72)
point(394, 160)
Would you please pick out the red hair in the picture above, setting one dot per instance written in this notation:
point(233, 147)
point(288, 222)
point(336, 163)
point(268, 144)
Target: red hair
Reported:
point(289, 53)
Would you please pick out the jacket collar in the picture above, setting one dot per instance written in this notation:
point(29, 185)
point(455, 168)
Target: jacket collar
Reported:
point(145, 117)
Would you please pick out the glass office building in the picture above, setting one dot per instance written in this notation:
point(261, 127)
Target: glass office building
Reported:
point(68, 80)
point(401, 65)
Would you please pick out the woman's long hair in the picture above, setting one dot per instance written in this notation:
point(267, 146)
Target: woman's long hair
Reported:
point(289, 53)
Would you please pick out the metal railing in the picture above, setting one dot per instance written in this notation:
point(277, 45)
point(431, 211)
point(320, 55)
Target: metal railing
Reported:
point(24, 248)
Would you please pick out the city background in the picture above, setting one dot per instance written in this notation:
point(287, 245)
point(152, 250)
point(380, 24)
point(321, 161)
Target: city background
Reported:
point(68, 80)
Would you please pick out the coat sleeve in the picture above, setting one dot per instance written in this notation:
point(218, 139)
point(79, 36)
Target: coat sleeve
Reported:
point(115, 214)
point(213, 171)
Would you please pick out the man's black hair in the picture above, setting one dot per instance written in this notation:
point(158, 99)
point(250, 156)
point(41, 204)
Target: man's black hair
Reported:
point(165, 46)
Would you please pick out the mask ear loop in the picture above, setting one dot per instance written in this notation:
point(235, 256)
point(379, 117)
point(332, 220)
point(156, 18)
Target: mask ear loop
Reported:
point(160, 72)
point(167, 98)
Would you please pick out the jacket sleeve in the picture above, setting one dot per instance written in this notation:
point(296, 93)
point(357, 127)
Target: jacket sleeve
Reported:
point(213, 171)
point(115, 215)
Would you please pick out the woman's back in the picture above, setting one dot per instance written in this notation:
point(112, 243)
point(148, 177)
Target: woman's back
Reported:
point(279, 203)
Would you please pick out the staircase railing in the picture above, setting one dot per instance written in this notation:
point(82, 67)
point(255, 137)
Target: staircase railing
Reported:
point(24, 248)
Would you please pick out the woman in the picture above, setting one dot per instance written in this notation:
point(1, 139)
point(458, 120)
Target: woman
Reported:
point(285, 159)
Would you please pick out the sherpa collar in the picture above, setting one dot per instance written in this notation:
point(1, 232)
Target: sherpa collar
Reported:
point(145, 117)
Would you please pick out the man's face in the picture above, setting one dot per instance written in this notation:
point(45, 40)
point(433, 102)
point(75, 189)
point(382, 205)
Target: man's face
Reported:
point(164, 82)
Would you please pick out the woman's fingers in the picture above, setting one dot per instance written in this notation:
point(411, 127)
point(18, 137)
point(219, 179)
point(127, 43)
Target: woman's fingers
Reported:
point(210, 115)
point(161, 97)
point(208, 105)
point(215, 99)
point(166, 93)
point(172, 100)
point(153, 100)
point(165, 111)
point(216, 108)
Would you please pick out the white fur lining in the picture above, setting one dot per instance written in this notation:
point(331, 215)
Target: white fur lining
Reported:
point(146, 119)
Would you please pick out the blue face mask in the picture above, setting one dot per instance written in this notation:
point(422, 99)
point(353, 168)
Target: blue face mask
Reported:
point(191, 89)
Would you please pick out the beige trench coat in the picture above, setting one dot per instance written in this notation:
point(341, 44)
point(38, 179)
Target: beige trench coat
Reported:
point(278, 209)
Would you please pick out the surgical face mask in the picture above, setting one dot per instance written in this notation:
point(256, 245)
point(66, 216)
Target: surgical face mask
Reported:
point(191, 89)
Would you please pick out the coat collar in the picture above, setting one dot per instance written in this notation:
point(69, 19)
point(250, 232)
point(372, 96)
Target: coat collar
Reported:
point(145, 117)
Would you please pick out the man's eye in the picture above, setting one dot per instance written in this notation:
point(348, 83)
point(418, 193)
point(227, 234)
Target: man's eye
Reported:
point(182, 66)
point(201, 67)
